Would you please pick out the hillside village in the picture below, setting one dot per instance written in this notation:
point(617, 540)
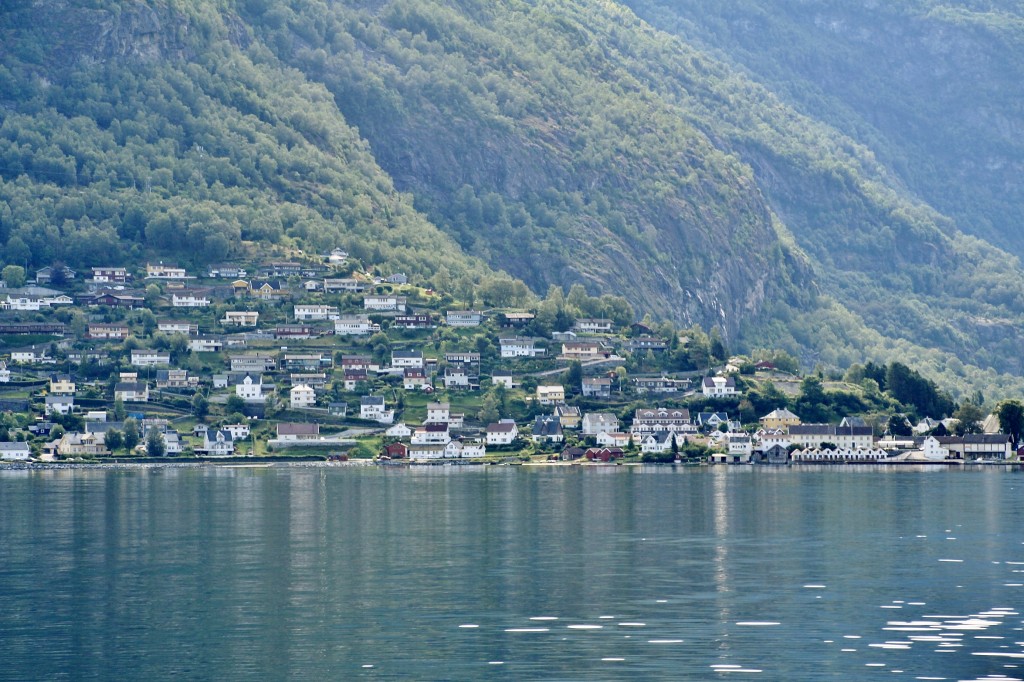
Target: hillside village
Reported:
point(315, 358)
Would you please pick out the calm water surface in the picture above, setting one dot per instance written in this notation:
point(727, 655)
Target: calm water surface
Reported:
point(465, 573)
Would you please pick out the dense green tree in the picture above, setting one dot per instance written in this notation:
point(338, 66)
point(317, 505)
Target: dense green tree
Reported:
point(898, 426)
point(200, 406)
point(155, 444)
point(132, 435)
point(1011, 419)
point(114, 440)
point(969, 417)
point(573, 376)
point(812, 405)
point(488, 412)
point(234, 404)
point(13, 275)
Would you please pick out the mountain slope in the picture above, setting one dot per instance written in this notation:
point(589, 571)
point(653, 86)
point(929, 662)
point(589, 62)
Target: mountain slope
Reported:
point(579, 113)
point(560, 142)
point(174, 134)
point(497, 118)
point(932, 87)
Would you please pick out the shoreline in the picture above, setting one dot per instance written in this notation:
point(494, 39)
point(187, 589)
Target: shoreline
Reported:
point(363, 463)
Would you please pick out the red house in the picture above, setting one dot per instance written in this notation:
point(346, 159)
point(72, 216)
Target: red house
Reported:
point(396, 450)
point(603, 454)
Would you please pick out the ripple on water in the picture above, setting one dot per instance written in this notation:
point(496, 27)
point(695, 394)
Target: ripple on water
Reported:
point(727, 668)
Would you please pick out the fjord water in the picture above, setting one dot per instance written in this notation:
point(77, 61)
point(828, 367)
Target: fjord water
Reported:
point(468, 573)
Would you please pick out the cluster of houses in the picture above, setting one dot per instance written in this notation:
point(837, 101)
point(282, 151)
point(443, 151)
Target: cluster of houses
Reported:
point(304, 379)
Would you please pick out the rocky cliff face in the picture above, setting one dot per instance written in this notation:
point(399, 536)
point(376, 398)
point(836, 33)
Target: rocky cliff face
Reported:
point(631, 200)
point(932, 87)
point(75, 35)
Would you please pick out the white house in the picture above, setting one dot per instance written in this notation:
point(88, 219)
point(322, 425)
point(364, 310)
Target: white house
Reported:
point(740, 445)
point(599, 422)
point(407, 358)
point(143, 357)
point(849, 437)
point(344, 284)
point(656, 443)
point(237, 431)
point(934, 450)
point(23, 303)
point(205, 345)
point(310, 313)
point(110, 274)
point(187, 300)
point(415, 379)
point(171, 439)
point(15, 452)
point(302, 396)
point(251, 389)
point(519, 347)
point(177, 327)
point(612, 439)
point(657, 419)
point(240, 318)
point(454, 449)
point(5, 374)
point(588, 325)
point(29, 356)
point(506, 380)
point(372, 407)
point(819, 455)
point(431, 434)
point(59, 404)
point(218, 443)
point(462, 449)
point(354, 325)
point(438, 413)
point(399, 430)
point(384, 303)
point(464, 318)
point(768, 438)
point(717, 387)
point(161, 271)
point(597, 387)
point(503, 433)
point(131, 391)
point(457, 377)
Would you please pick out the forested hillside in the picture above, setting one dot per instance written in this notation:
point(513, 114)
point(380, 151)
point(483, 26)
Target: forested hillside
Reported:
point(932, 87)
point(138, 132)
point(557, 142)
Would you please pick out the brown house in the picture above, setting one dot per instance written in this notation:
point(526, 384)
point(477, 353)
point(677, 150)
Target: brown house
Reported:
point(396, 451)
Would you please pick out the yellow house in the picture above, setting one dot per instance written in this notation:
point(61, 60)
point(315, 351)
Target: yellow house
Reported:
point(551, 395)
point(780, 418)
point(61, 385)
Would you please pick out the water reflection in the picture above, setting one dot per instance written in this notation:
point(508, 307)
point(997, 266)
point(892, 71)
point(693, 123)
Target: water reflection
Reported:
point(526, 573)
